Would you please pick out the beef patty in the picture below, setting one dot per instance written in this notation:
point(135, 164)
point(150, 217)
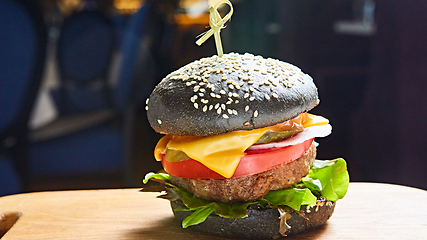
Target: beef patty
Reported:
point(251, 187)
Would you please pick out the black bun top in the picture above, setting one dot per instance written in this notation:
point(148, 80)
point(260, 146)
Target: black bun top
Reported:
point(216, 95)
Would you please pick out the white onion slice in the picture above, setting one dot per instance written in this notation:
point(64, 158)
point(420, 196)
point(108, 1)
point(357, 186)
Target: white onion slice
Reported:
point(309, 132)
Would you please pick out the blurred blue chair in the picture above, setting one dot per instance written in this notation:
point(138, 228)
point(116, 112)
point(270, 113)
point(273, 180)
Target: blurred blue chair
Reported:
point(84, 55)
point(69, 149)
point(87, 137)
point(22, 57)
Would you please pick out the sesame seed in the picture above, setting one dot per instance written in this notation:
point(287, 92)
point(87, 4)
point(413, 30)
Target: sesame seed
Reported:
point(146, 108)
point(222, 92)
point(275, 95)
point(219, 110)
point(196, 105)
point(235, 95)
point(205, 108)
point(210, 107)
point(225, 116)
point(251, 99)
point(252, 89)
point(223, 106)
point(267, 97)
point(234, 112)
point(246, 108)
point(217, 106)
point(236, 102)
point(159, 121)
point(231, 86)
point(212, 94)
point(230, 111)
point(201, 94)
point(256, 113)
point(246, 124)
point(146, 101)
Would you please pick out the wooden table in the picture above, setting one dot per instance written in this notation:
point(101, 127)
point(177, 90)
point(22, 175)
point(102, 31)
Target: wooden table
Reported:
point(369, 211)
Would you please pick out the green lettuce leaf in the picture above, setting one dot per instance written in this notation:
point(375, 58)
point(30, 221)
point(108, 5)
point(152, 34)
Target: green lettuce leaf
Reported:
point(158, 176)
point(329, 178)
point(198, 216)
point(202, 209)
point(292, 197)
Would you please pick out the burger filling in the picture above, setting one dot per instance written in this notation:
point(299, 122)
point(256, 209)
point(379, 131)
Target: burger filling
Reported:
point(222, 153)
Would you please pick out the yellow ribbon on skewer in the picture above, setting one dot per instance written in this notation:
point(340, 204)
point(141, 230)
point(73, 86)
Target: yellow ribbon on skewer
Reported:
point(216, 23)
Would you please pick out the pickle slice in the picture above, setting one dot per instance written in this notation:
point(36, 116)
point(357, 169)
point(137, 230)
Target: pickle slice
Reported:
point(273, 136)
point(172, 155)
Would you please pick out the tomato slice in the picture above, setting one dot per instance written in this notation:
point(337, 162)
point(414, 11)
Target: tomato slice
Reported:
point(251, 163)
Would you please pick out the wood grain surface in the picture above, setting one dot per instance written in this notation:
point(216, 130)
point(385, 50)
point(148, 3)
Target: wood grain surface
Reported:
point(369, 211)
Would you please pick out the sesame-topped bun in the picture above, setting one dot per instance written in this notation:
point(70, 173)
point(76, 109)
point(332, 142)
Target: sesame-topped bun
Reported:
point(216, 95)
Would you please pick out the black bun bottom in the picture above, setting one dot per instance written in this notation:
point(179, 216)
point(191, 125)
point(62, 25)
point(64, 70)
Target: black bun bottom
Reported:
point(260, 223)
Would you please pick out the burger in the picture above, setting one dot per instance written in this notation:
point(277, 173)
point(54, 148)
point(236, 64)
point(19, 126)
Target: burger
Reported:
point(239, 154)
